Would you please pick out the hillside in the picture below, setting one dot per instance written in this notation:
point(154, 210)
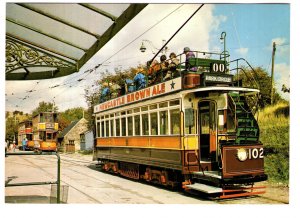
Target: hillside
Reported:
point(274, 134)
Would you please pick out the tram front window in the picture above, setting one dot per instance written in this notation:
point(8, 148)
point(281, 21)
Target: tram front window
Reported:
point(48, 136)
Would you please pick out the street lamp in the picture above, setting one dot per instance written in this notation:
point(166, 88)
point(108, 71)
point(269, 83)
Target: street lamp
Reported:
point(223, 40)
point(143, 47)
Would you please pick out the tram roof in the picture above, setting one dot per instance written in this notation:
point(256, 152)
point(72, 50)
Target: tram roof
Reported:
point(49, 40)
point(249, 91)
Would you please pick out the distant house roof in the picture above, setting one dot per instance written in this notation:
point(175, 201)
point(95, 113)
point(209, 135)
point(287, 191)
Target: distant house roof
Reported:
point(67, 129)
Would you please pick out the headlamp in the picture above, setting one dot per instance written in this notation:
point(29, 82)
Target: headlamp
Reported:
point(242, 154)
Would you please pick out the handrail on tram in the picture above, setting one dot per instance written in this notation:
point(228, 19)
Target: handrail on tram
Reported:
point(39, 183)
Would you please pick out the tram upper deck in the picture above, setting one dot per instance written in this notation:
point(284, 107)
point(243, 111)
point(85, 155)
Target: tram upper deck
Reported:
point(206, 71)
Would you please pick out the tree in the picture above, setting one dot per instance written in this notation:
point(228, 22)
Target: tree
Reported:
point(11, 128)
point(44, 107)
point(116, 79)
point(260, 77)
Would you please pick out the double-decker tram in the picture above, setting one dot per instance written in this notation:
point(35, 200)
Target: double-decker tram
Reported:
point(195, 130)
point(45, 131)
point(25, 131)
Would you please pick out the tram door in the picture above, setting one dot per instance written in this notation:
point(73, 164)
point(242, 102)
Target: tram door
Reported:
point(207, 130)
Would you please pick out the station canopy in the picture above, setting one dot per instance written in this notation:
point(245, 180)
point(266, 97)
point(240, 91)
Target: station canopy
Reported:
point(49, 40)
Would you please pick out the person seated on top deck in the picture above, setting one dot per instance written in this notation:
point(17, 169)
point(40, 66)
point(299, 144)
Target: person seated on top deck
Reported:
point(105, 92)
point(164, 64)
point(172, 71)
point(188, 55)
point(139, 79)
point(121, 82)
point(153, 68)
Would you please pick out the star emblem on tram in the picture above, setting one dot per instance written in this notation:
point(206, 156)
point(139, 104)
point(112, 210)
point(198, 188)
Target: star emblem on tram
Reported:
point(172, 84)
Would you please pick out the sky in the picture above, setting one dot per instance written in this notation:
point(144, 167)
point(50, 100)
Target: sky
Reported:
point(250, 31)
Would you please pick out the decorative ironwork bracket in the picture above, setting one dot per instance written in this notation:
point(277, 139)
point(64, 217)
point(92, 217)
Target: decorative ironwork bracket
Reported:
point(19, 55)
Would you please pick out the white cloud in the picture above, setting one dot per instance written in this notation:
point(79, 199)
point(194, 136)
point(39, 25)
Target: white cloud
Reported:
point(282, 46)
point(282, 76)
point(242, 51)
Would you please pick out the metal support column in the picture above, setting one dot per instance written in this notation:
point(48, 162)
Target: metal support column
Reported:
point(39, 183)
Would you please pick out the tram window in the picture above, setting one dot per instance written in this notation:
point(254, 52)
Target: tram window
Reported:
point(102, 129)
point(175, 121)
point(145, 124)
point(48, 136)
point(145, 108)
point(137, 125)
point(106, 116)
point(118, 127)
point(221, 120)
point(189, 121)
point(98, 118)
point(112, 115)
point(129, 112)
point(107, 128)
point(98, 129)
point(123, 112)
point(204, 119)
point(123, 124)
point(102, 117)
point(153, 106)
point(173, 103)
point(130, 126)
point(163, 116)
point(136, 110)
point(165, 104)
point(154, 124)
point(212, 116)
point(230, 121)
point(112, 128)
point(117, 114)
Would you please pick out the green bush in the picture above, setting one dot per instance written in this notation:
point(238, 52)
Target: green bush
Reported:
point(274, 134)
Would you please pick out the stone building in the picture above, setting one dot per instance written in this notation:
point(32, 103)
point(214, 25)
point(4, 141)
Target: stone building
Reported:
point(69, 138)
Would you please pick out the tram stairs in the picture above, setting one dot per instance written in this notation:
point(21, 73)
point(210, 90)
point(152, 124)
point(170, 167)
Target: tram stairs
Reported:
point(247, 129)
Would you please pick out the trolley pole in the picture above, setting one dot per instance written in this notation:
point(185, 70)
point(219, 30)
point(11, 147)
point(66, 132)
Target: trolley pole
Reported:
point(272, 73)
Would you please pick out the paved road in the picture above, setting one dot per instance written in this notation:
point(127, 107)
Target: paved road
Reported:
point(86, 184)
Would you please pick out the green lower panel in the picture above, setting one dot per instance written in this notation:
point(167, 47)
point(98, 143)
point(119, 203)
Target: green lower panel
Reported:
point(153, 157)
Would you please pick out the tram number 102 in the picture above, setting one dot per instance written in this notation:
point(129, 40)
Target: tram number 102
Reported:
point(251, 153)
point(255, 153)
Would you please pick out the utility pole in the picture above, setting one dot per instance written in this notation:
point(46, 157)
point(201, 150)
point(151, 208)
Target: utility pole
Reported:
point(272, 73)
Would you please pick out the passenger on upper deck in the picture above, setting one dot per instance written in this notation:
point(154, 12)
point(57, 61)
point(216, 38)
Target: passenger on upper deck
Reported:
point(174, 61)
point(139, 80)
point(153, 68)
point(164, 64)
point(188, 54)
point(105, 92)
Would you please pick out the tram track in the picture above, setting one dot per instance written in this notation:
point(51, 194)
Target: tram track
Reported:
point(69, 162)
point(257, 199)
point(114, 186)
point(63, 181)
